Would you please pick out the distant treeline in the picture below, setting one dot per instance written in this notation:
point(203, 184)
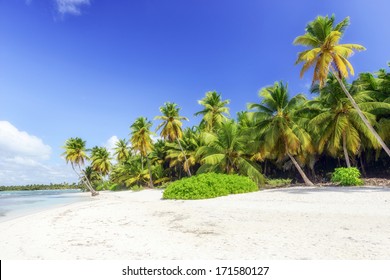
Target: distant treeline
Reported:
point(34, 187)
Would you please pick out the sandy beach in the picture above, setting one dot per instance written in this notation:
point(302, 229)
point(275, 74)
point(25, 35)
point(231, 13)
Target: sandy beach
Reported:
point(292, 223)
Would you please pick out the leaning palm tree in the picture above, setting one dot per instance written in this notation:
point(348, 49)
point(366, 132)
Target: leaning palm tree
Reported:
point(337, 124)
point(327, 55)
point(226, 152)
point(277, 127)
point(75, 153)
point(215, 111)
point(101, 160)
point(91, 175)
point(122, 150)
point(171, 126)
point(141, 141)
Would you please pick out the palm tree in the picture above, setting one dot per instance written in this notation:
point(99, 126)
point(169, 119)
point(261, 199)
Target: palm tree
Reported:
point(171, 125)
point(278, 128)
point(215, 111)
point(327, 55)
point(91, 175)
point(130, 173)
point(75, 153)
point(141, 141)
point(101, 160)
point(337, 124)
point(122, 150)
point(159, 153)
point(377, 86)
point(226, 152)
point(185, 153)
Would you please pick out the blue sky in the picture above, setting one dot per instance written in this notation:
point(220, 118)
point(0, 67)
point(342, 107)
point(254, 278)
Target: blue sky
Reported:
point(89, 68)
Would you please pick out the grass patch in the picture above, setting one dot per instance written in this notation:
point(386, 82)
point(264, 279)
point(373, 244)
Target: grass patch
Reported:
point(209, 185)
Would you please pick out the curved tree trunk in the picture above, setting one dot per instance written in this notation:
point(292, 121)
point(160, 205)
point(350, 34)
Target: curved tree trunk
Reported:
point(150, 172)
point(345, 150)
point(304, 177)
point(361, 115)
point(86, 182)
point(185, 157)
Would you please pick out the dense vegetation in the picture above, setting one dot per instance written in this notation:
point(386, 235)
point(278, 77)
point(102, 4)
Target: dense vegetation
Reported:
point(63, 186)
point(209, 185)
point(284, 135)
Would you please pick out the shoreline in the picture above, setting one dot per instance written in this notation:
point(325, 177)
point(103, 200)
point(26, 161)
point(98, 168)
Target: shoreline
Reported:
point(41, 207)
point(288, 223)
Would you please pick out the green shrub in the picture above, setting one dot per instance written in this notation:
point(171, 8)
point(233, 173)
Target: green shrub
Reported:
point(347, 176)
point(209, 185)
point(107, 185)
point(137, 188)
point(278, 182)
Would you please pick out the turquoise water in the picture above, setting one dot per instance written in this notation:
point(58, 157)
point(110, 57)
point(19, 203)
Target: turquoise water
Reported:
point(15, 204)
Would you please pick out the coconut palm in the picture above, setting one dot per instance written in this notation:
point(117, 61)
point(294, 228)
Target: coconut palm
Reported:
point(336, 122)
point(159, 153)
point(184, 155)
point(91, 175)
point(171, 126)
point(327, 55)
point(76, 154)
point(226, 152)
point(130, 173)
point(122, 150)
point(377, 86)
point(101, 160)
point(141, 141)
point(215, 111)
point(278, 128)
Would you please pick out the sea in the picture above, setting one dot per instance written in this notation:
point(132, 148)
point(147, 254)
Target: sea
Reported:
point(14, 204)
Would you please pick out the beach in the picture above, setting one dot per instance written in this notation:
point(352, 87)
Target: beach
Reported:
point(320, 223)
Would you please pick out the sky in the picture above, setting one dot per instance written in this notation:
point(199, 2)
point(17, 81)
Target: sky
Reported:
point(89, 68)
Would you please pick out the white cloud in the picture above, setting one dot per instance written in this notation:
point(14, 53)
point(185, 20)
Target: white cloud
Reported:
point(72, 7)
point(23, 159)
point(110, 144)
point(14, 142)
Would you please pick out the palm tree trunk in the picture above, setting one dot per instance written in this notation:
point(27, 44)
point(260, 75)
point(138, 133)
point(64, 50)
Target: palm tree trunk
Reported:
point(362, 166)
point(345, 150)
point(304, 177)
point(85, 180)
point(185, 157)
point(150, 172)
point(361, 115)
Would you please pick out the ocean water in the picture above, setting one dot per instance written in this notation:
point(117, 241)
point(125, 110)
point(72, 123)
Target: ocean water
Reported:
point(14, 204)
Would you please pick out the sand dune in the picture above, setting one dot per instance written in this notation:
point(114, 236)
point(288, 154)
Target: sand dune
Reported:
point(293, 223)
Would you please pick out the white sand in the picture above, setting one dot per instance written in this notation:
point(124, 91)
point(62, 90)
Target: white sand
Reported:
point(294, 223)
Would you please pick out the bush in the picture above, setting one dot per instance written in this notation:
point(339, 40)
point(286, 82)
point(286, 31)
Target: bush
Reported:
point(107, 185)
point(209, 185)
point(278, 182)
point(347, 176)
point(137, 188)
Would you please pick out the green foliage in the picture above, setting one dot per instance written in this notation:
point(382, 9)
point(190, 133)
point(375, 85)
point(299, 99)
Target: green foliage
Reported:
point(209, 185)
point(137, 188)
point(108, 185)
point(347, 176)
point(278, 182)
